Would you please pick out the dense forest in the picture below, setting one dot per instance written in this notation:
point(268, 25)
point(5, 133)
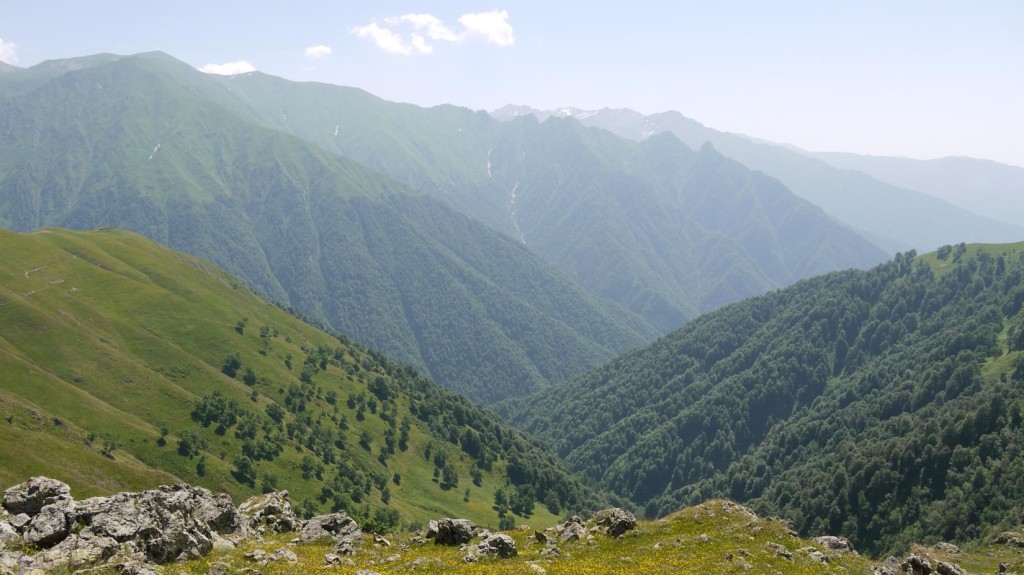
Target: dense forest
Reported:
point(884, 405)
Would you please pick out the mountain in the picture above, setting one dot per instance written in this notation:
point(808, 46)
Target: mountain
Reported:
point(150, 144)
point(6, 68)
point(984, 187)
point(892, 216)
point(660, 229)
point(885, 405)
point(124, 364)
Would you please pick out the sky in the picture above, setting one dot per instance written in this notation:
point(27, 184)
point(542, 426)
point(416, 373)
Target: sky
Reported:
point(913, 78)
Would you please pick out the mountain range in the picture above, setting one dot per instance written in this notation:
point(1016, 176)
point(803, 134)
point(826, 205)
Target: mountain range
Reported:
point(920, 205)
point(497, 257)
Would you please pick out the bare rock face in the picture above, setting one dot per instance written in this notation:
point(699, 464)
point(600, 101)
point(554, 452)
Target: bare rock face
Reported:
point(454, 531)
point(31, 496)
point(497, 545)
point(269, 513)
point(615, 521)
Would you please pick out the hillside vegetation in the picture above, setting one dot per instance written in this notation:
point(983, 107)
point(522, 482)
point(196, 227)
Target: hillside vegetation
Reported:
point(124, 364)
point(883, 405)
point(150, 144)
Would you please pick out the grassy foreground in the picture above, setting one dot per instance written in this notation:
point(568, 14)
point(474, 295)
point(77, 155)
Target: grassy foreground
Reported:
point(715, 537)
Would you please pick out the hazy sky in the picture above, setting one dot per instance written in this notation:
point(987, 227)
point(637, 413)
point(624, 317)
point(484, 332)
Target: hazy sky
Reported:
point(921, 79)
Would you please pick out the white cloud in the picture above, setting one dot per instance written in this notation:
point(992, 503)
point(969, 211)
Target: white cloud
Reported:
point(384, 39)
point(8, 52)
point(229, 68)
point(436, 29)
point(411, 33)
point(493, 26)
point(318, 51)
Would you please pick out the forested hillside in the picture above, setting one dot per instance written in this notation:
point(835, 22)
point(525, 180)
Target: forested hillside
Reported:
point(884, 405)
point(149, 144)
point(124, 364)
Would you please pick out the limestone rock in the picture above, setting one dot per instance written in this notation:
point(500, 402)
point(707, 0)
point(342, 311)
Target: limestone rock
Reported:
point(833, 543)
point(947, 548)
point(454, 531)
point(916, 565)
point(572, 530)
point(271, 512)
point(431, 530)
point(943, 568)
point(31, 496)
point(616, 521)
point(337, 526)
point(1010, 538)
point(9, 536)
point(781, 551)
point(283, 554)
point(497, 545)
point(49, 527)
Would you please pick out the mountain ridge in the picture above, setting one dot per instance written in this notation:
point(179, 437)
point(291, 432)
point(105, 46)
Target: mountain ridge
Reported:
point(894, 217)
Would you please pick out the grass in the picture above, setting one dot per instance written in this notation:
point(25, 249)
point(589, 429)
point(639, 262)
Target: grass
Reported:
point(107, 337)
point(716, 537)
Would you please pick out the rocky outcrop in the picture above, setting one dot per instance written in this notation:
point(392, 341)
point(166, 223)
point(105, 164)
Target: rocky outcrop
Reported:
point(615, 521)
point(834, 543)
point(572, 530)
point(1011, 539)
point(338, 527)
point(497, 545)
point(454, 531)
point(269, 513)
point(132, 531)
point(30, 497)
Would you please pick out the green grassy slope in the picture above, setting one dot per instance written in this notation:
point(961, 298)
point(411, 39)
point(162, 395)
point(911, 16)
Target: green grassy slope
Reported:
point(883, 405)
point(149, 144)
point(110, 341)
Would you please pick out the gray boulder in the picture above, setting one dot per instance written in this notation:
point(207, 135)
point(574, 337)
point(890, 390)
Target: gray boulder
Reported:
point(916, 565)
point(9, 536)
point(49, 527)
point(947, 547)
point(497, 545)
point(944, 568)
point(337, 526)
point(833, 543)
point(431, 530)
point(1011, 539)
point(454, 531)
point(572, 530)
point(615, 521)
point(271, 512)
point(31, 496)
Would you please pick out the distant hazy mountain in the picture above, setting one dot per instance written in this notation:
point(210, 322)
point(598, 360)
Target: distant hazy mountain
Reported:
point(150, 144)
point(893, 217)
point(984, 187)
point(665, 231)
point(5, 67)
